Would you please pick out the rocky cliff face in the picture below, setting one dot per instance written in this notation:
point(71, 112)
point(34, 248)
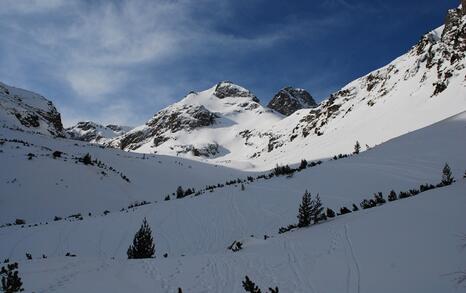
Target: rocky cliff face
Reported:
point(27, 111)
point(288, 100)
point(168, 121)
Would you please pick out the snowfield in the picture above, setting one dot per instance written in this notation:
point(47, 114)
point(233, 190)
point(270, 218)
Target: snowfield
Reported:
point(410, 245)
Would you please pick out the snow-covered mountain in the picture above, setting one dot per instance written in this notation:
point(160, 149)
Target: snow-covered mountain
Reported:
point(210, 124)
point(28, 111)
point(288, 100)
point(94, 132)
point(226, 125)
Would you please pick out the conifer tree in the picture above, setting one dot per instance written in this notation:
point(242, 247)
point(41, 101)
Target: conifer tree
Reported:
point(305, 210)
point(143, 244)
point(250, 286)
point(316, 209)
point(392, 196)
point(447, 177)
point(87, 159)
point(303, 164)
point(357, 148)
point(330, 213)
point(179, 192)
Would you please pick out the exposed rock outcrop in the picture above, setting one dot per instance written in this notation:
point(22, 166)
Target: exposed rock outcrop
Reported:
point(288, 100)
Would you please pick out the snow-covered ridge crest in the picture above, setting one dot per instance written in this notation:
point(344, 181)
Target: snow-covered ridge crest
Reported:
point(28, 111)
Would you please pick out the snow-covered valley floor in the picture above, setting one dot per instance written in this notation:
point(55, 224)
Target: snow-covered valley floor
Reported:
point(410, 245)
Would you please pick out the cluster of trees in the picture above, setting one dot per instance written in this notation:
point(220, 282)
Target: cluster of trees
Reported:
point(311, 210)
point(357, 149)
point(180, 193)
point(250, 286)
point(135, 205)
point(87, 160)
point(11, 281)
point(277, 171)
point(378, 199)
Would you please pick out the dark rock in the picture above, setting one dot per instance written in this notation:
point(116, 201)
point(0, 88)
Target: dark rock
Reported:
point(226, 89)
point(288, 100)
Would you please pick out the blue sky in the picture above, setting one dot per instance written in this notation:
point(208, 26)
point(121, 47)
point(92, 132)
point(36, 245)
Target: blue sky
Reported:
point(122, 61)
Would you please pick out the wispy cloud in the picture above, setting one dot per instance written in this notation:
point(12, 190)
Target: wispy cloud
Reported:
point(95, 45)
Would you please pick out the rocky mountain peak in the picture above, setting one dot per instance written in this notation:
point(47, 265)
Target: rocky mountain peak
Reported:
point(227, 89)
point(289, 99)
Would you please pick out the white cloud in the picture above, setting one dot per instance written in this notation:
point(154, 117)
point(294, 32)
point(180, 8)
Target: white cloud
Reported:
point(94, 84)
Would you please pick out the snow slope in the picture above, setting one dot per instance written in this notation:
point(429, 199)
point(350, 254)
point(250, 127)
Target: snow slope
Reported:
point(24, 110)
point(421, 87)
point(43, 187)
point(385, 249)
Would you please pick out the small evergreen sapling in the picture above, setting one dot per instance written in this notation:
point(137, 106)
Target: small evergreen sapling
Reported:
point(392, 196)
point(303, 164)
point(179, 192)
point(378, 198)
point(250, 286)
point(143, 244)
point(87, 159)
point(330, 213)
point(357, 148)
point(447, 177)
point(317, 209)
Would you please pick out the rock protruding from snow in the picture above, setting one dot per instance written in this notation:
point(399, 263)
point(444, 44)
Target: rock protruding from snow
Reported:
point(94, 132)
point(227, 89)
point(288, 100)
point(25, 110)
point(168, 121)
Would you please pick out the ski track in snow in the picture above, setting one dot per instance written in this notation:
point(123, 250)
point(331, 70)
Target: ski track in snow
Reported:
point(354, 260)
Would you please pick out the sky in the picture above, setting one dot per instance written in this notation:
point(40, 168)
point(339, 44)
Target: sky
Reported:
point(122, 61)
